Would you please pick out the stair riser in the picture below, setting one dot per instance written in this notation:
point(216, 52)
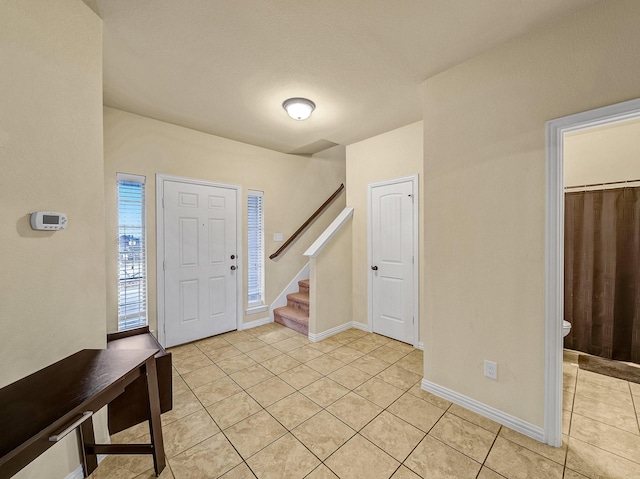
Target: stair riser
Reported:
point(301, 328)
point(304, 307)
point(296, 302)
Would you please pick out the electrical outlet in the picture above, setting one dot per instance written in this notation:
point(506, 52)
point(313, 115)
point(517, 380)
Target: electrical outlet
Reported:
point(490, 369)
point(277, 237)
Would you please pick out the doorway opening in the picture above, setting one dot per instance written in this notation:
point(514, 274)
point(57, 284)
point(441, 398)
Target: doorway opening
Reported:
point(555, 255)
point(602, 238)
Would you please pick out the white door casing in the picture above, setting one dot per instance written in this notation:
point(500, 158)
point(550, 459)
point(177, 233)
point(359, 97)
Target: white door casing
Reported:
point(554, 250)
point(393, 259)
point(199, 277)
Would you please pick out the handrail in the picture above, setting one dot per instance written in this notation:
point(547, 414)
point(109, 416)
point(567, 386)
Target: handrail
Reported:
point(308, 222)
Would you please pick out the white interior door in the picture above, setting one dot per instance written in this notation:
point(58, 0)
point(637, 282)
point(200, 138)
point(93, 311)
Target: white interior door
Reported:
point(392, 261)
point(200, 261)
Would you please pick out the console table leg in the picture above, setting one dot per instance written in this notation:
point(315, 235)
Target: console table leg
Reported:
point(155, 425)
point(86, 438)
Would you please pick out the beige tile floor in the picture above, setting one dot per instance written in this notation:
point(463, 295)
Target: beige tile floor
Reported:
point(269, 404)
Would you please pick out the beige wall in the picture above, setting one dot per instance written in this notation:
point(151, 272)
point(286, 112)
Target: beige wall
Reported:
point(294, 187)
point(394, 154)
point(484, 138)
point(605, 154)
point(52, 287)
point(330, 286)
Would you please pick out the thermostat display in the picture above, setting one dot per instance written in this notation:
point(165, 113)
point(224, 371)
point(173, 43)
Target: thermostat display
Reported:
point(48, 221)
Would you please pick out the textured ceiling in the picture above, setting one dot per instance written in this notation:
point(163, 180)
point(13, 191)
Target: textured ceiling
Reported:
point(226, 66)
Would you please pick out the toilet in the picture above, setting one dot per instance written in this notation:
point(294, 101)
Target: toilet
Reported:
point(566, 327)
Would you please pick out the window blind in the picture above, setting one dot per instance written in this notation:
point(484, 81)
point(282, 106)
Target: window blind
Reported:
point(132, 252)
point(255, 256)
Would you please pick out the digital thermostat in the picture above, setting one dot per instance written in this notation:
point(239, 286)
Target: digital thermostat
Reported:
point(48, 221)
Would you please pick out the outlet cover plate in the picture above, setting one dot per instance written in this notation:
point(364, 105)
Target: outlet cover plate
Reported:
point(490, 369)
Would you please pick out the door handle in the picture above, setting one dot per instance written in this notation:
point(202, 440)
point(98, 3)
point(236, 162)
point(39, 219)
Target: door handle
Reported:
point(233, 267)
point(233, 256)
point(375, 268)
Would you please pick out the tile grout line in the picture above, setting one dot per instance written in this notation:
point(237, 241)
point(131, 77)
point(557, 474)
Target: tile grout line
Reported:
point(215, 422)
point(606, 424)
point(489, 451)
point(243, 460)
point(636, 407)
point(289, 431)
point(573, 405)
point(425, 433)
point(220, 430)
point(209, 414)
point(403, 394)
point(295, 390)
point(609, 425)
point(324, 408)
point(608, 452)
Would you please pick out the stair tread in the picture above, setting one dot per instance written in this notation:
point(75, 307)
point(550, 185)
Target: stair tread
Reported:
point(300, 297)
point(295, 315)
point(292, 314)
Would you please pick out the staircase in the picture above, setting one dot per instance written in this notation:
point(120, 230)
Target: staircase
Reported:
point(295, 315)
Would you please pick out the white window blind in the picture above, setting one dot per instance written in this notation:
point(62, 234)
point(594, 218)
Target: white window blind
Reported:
point(255, 256)
point(132, 252)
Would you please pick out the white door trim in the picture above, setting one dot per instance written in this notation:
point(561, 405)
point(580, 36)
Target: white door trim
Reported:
point(160, 179)
point(416, 263)
point(554, 246)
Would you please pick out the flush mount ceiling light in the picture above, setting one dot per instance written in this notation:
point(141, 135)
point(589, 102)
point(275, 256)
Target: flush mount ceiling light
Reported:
point(299, 108)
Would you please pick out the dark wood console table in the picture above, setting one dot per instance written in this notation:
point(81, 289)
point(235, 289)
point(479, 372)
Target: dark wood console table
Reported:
point(43, 407)
point(129, 408)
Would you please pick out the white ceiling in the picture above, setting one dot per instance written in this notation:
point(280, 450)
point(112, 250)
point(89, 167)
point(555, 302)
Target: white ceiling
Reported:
point(225, 66)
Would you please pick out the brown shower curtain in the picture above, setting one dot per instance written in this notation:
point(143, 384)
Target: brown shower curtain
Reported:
point(602, 272)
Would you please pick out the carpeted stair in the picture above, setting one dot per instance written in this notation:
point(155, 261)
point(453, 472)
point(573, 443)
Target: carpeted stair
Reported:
point(295, 315)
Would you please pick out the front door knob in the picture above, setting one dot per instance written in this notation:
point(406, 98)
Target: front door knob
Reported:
point(375, 268)
point(233, 267)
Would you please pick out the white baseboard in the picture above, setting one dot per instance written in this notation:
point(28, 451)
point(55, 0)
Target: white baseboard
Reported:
point(338, 329)
point(528, 429)
point(78, 473)
point(256, 323)
point(329, 332)
point(343, 327)
point(361, 326)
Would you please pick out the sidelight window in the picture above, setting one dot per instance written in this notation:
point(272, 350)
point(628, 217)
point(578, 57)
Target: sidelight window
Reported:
point(132, 252)
point(255, 252)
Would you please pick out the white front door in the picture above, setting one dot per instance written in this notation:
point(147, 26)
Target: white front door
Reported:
point(200, 261)
point(392, 261)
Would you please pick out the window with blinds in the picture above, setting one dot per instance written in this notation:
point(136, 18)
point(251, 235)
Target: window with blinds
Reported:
point(132, 252)
point(255, 255)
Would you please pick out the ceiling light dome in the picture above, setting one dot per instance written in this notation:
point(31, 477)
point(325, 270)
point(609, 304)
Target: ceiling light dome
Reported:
point(299, 108)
